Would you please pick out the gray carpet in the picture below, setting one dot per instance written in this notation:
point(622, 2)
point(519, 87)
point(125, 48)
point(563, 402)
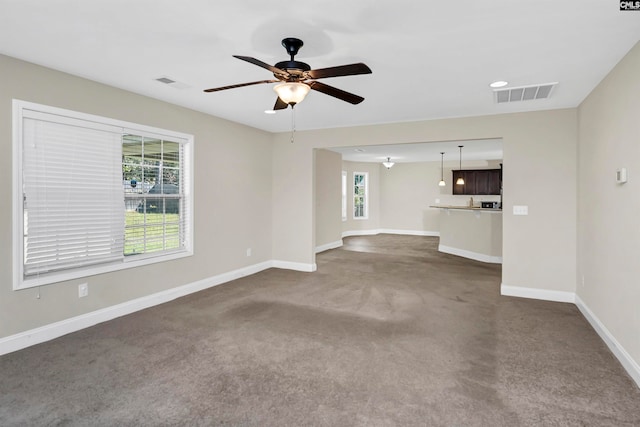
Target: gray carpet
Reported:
point(387, 332)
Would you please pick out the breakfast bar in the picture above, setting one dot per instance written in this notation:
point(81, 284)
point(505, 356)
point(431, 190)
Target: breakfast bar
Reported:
point(471, 232)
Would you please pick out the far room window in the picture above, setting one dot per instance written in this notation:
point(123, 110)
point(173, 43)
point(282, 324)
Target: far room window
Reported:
point(360, 193)
point(93, 194)
point(344, 195)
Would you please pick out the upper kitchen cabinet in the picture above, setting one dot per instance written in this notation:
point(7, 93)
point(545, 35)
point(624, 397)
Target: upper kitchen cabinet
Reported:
point(480, 182)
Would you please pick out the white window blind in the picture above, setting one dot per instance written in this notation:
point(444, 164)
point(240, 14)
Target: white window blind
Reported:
point(93, 195)
point(72, 193)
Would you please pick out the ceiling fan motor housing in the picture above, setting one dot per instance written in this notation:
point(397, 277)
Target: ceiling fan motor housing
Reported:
point(292, 45)
point(295, 68)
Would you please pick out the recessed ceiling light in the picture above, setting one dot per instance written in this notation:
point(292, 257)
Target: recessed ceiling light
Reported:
point(269, 111)
point(499, 83)
point(359, 150)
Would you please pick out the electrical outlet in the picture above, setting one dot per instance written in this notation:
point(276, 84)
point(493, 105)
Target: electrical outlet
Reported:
point(248, 251)
point(83, 290)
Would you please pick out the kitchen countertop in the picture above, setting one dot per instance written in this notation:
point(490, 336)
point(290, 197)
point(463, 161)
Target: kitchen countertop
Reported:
point(466, 208)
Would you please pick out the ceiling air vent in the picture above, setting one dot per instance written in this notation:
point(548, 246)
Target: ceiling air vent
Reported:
point(170, 82)
point(165, 80)
point(524, 93)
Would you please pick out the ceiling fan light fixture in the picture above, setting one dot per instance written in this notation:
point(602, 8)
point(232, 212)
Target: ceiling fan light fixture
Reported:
point(388, 163)
point(291, 92)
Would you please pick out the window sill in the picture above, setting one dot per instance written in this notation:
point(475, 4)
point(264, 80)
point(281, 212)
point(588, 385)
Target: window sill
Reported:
point(138, 261)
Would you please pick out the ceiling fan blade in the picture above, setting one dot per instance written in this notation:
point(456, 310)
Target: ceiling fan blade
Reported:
point(339, 71)
point(216, 89)
point(335, 92)
point(254, 61)
point(280, 104)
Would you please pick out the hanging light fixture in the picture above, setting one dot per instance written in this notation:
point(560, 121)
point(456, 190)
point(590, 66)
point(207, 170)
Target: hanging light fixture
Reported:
point(460, 180)
point(292, 93)
point(442, 183)
point(388, 163)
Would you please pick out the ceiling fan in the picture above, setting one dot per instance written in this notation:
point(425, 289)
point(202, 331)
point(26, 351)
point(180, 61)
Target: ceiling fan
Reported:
point(297, 78)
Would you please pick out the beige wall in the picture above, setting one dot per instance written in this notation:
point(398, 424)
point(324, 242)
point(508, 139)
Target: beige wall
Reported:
point(406, 191)
point(232, 197)
point(539, 250)
point(328, 200)
point(476, 231)
point(609, 235)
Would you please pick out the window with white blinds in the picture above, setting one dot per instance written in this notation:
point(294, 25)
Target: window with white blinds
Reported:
point(93, 195)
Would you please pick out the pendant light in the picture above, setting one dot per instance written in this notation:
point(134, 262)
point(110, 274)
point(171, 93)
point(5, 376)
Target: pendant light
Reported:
point(460, 180)
point(388, 163)
point(442, 183)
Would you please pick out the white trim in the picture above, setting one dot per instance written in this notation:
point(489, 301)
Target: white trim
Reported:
point(360, 233)
point(630, 365)
point(345, 195)
point(63, 327)
point(471, 255)
point(541, 294)
point(328, 246)
point(22, 108)
point(297, 266)
point(18, 212)
point(390, 231)
point(409, 232)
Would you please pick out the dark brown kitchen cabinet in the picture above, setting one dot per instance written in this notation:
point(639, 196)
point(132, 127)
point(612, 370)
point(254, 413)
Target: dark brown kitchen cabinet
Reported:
point(480, 182)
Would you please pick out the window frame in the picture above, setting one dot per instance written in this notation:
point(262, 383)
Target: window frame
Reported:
point(22, 282)
point(365, 197)
point(345, 191)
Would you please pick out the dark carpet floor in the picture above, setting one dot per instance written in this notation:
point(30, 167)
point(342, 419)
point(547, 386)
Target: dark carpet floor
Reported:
point(387, 332)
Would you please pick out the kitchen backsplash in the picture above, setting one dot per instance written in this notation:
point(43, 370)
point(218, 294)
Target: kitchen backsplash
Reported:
point(462, 200)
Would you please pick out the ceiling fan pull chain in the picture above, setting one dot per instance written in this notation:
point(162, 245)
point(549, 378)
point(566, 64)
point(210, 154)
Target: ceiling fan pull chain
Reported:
point(293, 122)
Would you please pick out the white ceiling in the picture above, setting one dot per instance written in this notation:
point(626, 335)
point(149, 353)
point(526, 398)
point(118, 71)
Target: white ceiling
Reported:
point(429, 59)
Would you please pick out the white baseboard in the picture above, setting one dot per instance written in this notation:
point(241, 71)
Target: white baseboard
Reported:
point(471, 255)
point(297, 266)
point(389, 231)
point(630, 365)
point(360, 233)
point(57, 329)
point(533, 293)
point(328, 246)
point(410, 232)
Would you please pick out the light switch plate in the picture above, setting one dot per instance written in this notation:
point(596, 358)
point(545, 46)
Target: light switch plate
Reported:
point(521, 210)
